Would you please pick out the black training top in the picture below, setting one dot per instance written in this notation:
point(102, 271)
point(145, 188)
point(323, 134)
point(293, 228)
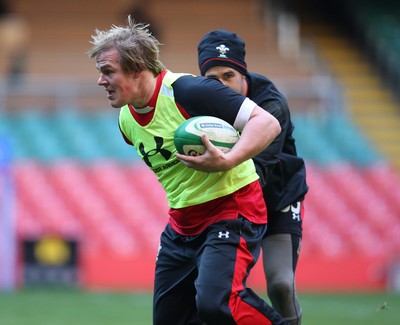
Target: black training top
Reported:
point(282, 172)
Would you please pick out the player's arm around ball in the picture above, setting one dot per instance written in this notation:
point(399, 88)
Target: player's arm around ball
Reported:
point(259, 130)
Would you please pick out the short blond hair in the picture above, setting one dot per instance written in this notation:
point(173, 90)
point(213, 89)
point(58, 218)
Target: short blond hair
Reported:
point(138, 49)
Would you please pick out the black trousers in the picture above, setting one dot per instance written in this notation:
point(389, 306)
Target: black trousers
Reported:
point(202, 279)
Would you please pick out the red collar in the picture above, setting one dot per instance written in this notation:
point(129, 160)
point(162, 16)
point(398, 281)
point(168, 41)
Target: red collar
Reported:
point(153, 100)
point(144, 119)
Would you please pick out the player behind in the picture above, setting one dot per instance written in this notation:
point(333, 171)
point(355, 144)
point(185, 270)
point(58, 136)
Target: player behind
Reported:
point(221, 55)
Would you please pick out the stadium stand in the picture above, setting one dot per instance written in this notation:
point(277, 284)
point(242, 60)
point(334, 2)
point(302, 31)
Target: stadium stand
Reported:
point(371, 104)
point(377, 27)
point(50, 138)
point(75, 177)
point(101, 199)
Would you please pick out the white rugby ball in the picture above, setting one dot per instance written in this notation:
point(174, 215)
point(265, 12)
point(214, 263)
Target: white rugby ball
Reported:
point(187, 137)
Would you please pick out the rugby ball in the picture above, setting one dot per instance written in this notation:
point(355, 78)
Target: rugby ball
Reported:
point(187, 137)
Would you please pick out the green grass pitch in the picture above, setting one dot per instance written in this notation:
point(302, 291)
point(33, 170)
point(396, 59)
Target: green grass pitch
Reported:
point(62, 307)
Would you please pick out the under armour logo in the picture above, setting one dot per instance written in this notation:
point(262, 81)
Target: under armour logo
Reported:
point(158, 150)
point(296, 211)
point(223, 234)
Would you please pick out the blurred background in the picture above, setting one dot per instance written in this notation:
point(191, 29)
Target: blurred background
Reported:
point(78, 208)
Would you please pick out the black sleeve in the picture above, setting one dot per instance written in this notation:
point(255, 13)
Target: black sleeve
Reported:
point(207, 96)
point(279, 109)
point(267, 160)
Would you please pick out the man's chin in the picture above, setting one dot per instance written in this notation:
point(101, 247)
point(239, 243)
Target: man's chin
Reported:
point(115, 104)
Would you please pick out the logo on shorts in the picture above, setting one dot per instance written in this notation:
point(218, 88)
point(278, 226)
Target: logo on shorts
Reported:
point(222, 234)
point(295, 211)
